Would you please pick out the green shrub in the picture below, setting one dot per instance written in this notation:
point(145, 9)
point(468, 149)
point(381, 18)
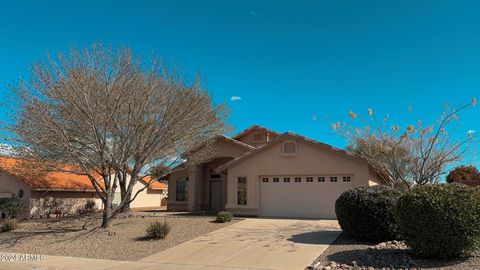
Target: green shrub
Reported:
point(12, 206)
point(368, 213)
point(440, 221)
point(224, 216)
point(90, 205)
point(158, 230)
point(8, 225)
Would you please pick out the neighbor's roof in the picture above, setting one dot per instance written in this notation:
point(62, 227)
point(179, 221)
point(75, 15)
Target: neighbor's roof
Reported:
point(28, 173)
point(281, 138)
point(35, 178)
point(153, 184)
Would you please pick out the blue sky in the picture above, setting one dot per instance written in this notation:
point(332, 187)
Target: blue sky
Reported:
point(290, 61)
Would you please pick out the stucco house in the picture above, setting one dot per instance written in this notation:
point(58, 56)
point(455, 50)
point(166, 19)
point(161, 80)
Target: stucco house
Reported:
point(65, 192)
point(260, 172)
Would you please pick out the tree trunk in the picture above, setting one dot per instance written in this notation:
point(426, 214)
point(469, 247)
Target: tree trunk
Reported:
point(126, 199)
point(106, 210)
point(126, 207)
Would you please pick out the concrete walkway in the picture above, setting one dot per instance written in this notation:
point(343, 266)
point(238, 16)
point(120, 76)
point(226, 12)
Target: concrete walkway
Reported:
point(249, 244)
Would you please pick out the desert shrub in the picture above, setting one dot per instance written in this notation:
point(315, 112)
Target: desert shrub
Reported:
point(367, 213)
point(90, 205)
point(12, 206)
point(158, 230)
point(440, 221)
point(8, 225)
point(224, 216)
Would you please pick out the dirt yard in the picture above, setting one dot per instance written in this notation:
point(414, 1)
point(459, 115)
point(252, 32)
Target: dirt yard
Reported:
point(124, 240)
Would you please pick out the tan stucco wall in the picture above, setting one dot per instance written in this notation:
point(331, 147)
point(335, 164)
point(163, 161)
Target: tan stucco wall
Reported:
point(227, 149)
point(310, 160)
point(147, 198)
point(68, 202)
point(10, 186)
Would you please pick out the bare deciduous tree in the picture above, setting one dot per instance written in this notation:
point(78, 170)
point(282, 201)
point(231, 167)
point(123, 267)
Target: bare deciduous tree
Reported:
point(112, 116)
point(414, 155)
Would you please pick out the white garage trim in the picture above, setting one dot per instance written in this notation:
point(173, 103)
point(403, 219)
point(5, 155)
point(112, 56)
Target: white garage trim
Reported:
point(304, 196)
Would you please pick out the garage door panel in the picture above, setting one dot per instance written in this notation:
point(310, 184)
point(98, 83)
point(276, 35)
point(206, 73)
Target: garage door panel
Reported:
point(300, 199)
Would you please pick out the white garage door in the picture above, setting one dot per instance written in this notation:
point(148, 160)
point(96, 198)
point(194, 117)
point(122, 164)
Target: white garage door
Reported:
point(302, 196)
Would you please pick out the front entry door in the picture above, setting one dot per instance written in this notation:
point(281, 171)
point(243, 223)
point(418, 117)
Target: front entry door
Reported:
point(215, 196)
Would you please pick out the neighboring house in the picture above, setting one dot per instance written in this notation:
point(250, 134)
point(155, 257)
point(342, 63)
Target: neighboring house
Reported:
point(261, 172)
point(58, 191)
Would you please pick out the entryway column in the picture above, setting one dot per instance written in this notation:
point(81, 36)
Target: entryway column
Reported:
point(195, 188)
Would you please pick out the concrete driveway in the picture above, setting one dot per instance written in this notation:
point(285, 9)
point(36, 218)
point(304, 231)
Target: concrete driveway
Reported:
point(254, 244)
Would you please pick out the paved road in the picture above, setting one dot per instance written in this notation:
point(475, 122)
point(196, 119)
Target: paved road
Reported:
point(251, 244)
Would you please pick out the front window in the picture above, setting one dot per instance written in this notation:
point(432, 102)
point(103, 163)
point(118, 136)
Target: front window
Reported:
point(242, 190)
point(182, 189)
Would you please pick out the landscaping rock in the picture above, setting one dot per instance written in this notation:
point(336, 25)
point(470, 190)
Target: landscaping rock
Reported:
point(390, 255)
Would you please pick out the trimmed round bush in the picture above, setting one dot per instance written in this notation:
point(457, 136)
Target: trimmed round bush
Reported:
point(158, 230)
point(440, 221)
point(368, 213)
point(224, 216)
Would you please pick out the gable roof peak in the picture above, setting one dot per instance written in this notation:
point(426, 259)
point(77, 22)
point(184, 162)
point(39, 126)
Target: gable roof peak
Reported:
point(251, 128)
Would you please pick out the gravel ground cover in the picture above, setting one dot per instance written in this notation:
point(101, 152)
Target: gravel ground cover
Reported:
point(347, 253)
point(123, 240)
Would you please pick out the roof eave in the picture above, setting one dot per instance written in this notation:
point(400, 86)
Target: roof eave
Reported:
point(64, 189)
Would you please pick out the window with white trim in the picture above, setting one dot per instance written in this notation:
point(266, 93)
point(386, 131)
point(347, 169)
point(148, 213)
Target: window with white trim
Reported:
point(321, 179)
point(298, 179)
point(309, 179)
point(333, 179)
point(286, 179)
point(276, 179)
point(347, 179)
point(265, 180)
point(242, 190)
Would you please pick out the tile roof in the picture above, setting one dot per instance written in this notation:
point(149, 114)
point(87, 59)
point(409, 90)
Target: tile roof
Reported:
point(154, 184)
point(28, 173)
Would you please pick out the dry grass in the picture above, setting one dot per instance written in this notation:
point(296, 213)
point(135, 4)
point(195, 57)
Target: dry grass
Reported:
point(124, 240)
